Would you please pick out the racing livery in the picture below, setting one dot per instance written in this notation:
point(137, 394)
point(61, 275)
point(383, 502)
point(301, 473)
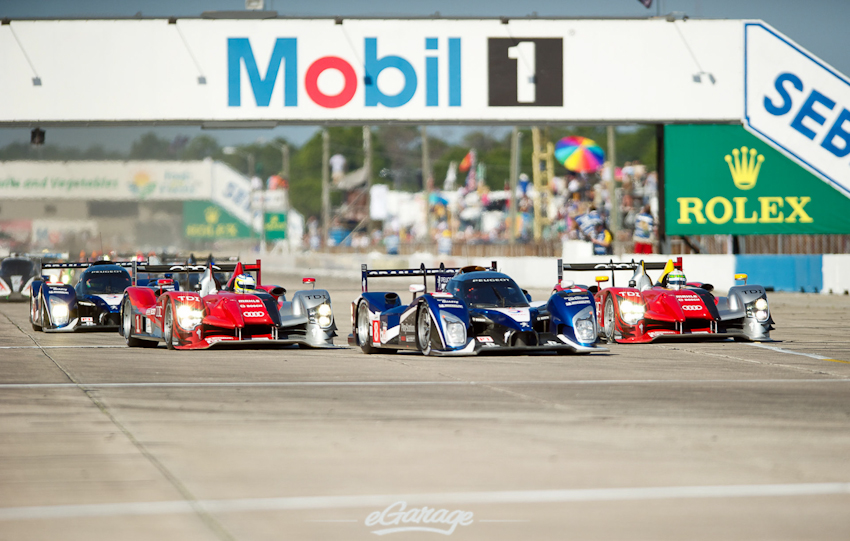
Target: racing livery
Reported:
point(17, 274)
point(93, 303)
point(242, 312)
point(645, 312)
point(472, 310)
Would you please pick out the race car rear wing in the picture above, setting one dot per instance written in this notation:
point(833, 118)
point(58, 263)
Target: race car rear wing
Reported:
point(441, 275)
point(613, 266)
point(193, 269)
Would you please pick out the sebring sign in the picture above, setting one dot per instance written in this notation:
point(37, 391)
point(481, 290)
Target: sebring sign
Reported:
point(798, 103)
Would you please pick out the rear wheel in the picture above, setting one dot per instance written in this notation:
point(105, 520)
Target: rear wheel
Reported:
point(168, 327)
point(35, 326)
point(608, 320)
point(364, 329)
point(423, 330)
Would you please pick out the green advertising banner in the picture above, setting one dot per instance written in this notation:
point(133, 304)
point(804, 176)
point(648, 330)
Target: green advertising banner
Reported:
point(720, 179)
point(206, 220)
point(275, 224)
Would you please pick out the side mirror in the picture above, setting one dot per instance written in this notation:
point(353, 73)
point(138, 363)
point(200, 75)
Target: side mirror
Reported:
point(741, 276)
point(527, 295)
point(309, 281)
point(599, 281)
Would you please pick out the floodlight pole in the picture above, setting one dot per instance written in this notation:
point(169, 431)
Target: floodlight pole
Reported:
point(326, 181)
point(367, 169)
point(516, 135)
point(614, 219)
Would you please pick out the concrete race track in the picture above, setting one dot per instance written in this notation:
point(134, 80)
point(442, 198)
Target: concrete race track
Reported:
point(665, 441)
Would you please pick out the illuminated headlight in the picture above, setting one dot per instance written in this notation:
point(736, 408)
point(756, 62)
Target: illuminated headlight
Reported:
point(585, 329)
point(189, 317)
point(322, 315)
point(455, 330)
point(58, 312)
point(759, 310)
point(632, 312)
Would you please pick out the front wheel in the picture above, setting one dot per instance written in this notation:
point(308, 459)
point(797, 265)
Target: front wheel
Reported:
point(128, 328)
point(364, 329)
point(168, 327)
point(608, 320)
point(423, 330)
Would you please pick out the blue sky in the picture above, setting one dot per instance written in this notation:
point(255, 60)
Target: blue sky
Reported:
point(818, 25)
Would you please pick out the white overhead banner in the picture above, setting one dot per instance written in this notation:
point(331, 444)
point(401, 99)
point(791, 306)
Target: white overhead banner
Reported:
point(798, 103)
point(311, 70)
point(139, 181)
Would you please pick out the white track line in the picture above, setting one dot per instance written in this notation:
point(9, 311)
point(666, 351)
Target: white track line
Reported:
point(790, 352)
point(60, 347)
point(380, 501)
point(225, 384)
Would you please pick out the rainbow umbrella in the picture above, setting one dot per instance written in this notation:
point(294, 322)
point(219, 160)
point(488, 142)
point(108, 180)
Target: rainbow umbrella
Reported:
point(579, 154)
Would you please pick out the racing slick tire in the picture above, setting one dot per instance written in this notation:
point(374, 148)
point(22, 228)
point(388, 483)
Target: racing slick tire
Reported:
point(609, 319)
point(423, 329)
point(364, 329)
point(127, 328)
point(35, 326)
point(168, 327)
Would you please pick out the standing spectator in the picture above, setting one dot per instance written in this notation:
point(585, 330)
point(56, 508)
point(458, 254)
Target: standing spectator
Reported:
point(644, 231)
point(587, 222)
point(602, 240)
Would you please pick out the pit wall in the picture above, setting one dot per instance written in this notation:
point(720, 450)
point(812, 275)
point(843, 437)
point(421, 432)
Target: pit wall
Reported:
point(813, 274)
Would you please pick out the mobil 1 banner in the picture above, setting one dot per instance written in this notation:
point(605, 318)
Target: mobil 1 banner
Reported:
point(721, 179)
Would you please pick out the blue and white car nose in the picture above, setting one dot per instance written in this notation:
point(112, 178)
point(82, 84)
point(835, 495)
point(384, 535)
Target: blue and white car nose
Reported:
point(113, 301)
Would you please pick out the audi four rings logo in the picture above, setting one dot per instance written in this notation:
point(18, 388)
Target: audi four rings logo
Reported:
point(691, 307)
point(253, 314)
point(526, 72)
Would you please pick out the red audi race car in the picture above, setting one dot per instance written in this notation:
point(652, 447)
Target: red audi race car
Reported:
point(671, 307)
point(242, 312)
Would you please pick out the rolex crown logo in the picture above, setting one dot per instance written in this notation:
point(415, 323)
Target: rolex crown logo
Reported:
point(211, 215)
point(744, 168)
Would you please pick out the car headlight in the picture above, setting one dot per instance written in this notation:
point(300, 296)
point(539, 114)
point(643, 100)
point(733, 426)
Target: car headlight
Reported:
point(632, 312)
point(59, 312)
point(454, 329)
point(189, 317)
point(585, 329)
point(322, 315)
point(759, 310)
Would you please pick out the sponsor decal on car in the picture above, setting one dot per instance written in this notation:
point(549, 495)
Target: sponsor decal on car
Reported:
point(629, 294)
point(214, 339)
point(484, 339)
point(407, 328)
point(691, 307)
point(376, 332)
point(253, 314)
point(87, 321)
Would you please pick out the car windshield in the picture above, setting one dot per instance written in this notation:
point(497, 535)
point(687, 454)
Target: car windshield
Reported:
point(490, 293)
point(20, 267)
point(106, 283)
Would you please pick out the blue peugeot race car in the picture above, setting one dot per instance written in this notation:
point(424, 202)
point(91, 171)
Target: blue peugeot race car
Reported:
point(472, 310)
point(94, 302)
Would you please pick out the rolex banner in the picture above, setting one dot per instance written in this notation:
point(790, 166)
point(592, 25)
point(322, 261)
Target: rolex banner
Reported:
point(720, 179)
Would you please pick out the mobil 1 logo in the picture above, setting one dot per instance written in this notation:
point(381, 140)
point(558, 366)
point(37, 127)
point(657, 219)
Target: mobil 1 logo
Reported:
point(525, 72)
